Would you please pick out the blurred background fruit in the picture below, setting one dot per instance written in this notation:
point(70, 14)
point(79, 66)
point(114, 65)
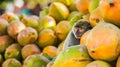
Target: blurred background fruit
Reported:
point(30, 49)
point(31, 21)
point(82, 6)
point(3, 27)
point(5, 41)
point(35, 60)
point(13, 51)
point(47, 22)
point(26, 36)
point(118, 62)
point(51, 51)
point(58, 11)
point(9, 16)
point(62, 29)
point(14, 28)
point(11, 63)
point(46, 38)
point(93, 4)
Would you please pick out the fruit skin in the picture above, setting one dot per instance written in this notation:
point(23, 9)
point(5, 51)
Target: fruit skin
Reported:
point(13, 51)
point(51, 51)
point(46, 38)
point(83, 38)
point(93, 4)
point(98, 63)
point(95, 17)
point(58, 11)
point(110, 11)
point(75, 14)
point(3, 26)
point(44, 12)
point(47, 22)
point(62, 29)
point(82, 6)
point(31, 21)
point(1, 60)
point(14, 28)
point(74, 56)
point(11, 63)
point(35, 61)
point(26, 36)
point(60, 47)
point(118, 62)
point(74, 17)
point(30, 49)
point(104, 47)
point(5, 41)
point(66, 2)
point(50, 64)
point(9, 17)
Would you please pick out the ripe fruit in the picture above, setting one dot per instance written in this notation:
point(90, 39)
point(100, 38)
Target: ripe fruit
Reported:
point(75, 56)
point(36, 61)
point(95, 17)
point(74, 17)
point(9, 17)
point(13, 51)
point(47, 22)
point(66, 2)
point(50, 64)
point(51, 51)
point(11, 63)
point(110, 11)
point(5, 41)
point(30, 49)
point(93, 4)
point(74, 14)
point(82, 6)
point(118, 62)
point(46, 38)
point(98, 63)
point(60, 47)
point(14, 28)
point(102, 46)
point(26, 36)
point(31, 21)
point(58, 11)
point(62, 29)
point(83, 38)
point(3, 26)
point(1, 60)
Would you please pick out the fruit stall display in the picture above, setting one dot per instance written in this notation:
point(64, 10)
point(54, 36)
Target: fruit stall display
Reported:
point(68, 33)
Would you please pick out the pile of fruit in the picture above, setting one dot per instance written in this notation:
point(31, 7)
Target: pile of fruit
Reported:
point(32, 41)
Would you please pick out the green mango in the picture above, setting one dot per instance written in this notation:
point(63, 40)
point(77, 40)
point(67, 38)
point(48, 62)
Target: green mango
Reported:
point(74, 56)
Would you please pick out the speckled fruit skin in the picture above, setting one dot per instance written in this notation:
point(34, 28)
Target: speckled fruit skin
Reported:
point(102, 46)
point(14, 28)
point(30, 49)
point(74, 56)
point(27, 36)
